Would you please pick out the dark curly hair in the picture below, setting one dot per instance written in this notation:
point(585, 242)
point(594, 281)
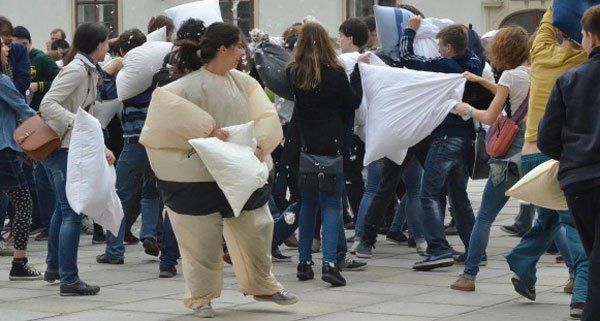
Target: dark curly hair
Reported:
point(509, 48)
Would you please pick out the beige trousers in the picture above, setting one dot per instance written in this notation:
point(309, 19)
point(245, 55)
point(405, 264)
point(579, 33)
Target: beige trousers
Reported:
point(248, 239)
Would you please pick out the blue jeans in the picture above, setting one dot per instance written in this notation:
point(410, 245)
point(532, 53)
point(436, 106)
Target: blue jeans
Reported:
point(523, 258)
point(373, 178)
point(525, 217)
point(282, 230)
point(63, 234)
point(331, 211)
point(132, 162)
point(169, 250)
point(492, 201)
point(45, 195)
point(446, 163)
point(409, 209)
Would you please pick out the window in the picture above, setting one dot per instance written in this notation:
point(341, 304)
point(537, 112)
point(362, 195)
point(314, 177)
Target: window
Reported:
point(363, 8)
point(102, 11)
point(239, 13)
point(528, 19)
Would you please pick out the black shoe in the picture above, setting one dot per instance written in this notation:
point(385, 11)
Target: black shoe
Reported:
point(305, 271)
point(151, 247)
point(349, 226)
point(100, 239)
point(104, 259)
point(434, 262)
point(461, 259)
point(167, 273)
point(351, 265)
point(279, 257)
point(528, 293)
point(51, 277)
point(36, 230)
point(512, 230)
point(412, 243)
point(22, 271)
point(331, 274)
point(451, 230)
point(78, 288)
point(43, 236)
point(396, 237)
point(383, 230)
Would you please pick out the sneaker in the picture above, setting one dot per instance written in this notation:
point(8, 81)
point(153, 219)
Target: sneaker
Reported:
point(331, 274)
point(100, 239)
point(151, 247)
point(577, 310)
point(51, 277)
point(167, 273)
point(205, 311)
point(78, 288)
point(569, 286)
point(354, 247)
point(451, 230)
point(282, 297)
point(364, 251)
point(291, 242)
point(316, 246)
point(130, 239)
point(461, 259)
point(42, 237)
point(279, 257)
point(104, 259)
point(36, 231)
point(305, 271)
point(528, 293)
point(22, 271)
point(5, 250)
point(87, 225)
point(396, 237)
point(351, 265)
point(463, 284)
point(512, 230)
point(421, 246)
point(434, 262)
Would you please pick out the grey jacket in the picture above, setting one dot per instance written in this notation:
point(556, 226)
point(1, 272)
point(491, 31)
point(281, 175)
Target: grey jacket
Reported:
point(74, 87)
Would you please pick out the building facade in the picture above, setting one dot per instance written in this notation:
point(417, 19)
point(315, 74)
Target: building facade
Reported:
point(41, 16)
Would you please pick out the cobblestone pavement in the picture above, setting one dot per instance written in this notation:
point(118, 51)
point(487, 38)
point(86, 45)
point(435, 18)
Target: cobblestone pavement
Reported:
point(387, 290)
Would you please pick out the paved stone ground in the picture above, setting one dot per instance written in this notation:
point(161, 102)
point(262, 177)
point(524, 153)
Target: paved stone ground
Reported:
point(387, 291)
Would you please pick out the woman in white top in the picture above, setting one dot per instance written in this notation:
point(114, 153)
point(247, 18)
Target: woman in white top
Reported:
point(509, 51)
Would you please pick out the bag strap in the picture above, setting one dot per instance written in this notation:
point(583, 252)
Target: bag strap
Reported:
point(522, 111)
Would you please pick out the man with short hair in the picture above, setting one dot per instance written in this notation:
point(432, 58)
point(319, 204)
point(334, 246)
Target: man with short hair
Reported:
point(570, 132)
point(55, 34)
point(373, 42)
point(18, 60)
point(160, 21)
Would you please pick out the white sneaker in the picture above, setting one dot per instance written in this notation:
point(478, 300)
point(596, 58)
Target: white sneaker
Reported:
point(422, 247)
point(205, 311)
point(282, 297)
point(5, 250)
point(354, 247)
point(87, 225)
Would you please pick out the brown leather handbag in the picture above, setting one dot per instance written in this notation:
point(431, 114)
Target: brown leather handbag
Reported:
point(36, 138)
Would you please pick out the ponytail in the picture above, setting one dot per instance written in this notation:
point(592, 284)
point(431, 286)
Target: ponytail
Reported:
point(187, 56)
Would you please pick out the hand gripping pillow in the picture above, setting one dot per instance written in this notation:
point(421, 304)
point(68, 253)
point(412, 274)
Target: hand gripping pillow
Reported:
point(139, 66)
point(90, 186)
point(233, 165)
point(568, 14)
point(172, 120)
point(208, 11)
point(157, 35)
point(541, 187)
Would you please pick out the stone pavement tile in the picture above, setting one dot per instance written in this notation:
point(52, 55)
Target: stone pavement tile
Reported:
point(13, 294)
point(110, 315)
point(295, 286)
point(517, 311)
point(417, 309)
point(307, 308)
point(406, 263)
point(18, 315)
point(551, 297)
point(551, 281)
point(452, 297)
point(357, 316)
point(395, 289)
point(164, 306)
point(121, 296)
point(227, 296)
point(352, 298)
point(426, 278)
point(234, 315)
point(55, 304)
point(505, 288)
point(166, 287)
point(111, 277)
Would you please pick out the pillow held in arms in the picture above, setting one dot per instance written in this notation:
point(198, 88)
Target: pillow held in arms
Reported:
point(233, 164)
point(139, 66)
point(541, 187)
point(568, 14)
point(157, 35)
point(208, 11)
point(91, 181)
point(167, 109)
point(271, 60)
point(405, 106)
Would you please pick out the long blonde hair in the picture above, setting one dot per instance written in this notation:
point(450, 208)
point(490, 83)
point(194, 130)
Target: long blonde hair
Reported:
point(313, 50)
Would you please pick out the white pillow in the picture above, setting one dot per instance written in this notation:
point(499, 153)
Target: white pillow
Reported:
point(208, 11)
point(90, 186)
point(233, 165)
point(106, 110)
point(139, 66)
point(157, 35)
point(541, 187)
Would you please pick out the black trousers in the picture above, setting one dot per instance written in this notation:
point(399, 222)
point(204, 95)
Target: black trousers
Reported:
point(585, 208)
point(390, 178)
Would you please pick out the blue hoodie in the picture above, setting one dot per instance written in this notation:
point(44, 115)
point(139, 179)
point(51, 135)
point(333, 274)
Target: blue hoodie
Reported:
point(18, 58)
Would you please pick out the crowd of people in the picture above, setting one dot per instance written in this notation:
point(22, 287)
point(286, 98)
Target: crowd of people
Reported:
point(313, 144)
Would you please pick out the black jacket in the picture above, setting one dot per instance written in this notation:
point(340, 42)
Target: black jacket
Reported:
point(570, 129)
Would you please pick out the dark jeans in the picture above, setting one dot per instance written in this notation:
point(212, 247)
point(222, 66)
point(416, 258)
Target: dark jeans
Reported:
point(585, 208)
point(447, 163)
point(46, 201)
point(386, 192)
point(169, 250)
point(282, 230)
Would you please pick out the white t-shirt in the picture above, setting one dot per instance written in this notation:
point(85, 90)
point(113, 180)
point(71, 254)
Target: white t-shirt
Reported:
point(517, 82)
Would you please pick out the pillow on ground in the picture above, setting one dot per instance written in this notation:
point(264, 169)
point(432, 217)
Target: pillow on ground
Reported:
point(139, 66)
point(404, 107)
point(208, 11)
point(541, 187)
point(157, 35)
point(233, 165)
point(90, 186)
point(568, 14)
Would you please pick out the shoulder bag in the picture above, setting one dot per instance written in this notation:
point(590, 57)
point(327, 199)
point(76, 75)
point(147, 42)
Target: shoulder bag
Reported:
point(504, 130)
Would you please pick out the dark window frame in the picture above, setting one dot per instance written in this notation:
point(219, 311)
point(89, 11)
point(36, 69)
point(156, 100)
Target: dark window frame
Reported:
point(351, 6)
point(534, 15)
point(235, 20)
point(97, 12)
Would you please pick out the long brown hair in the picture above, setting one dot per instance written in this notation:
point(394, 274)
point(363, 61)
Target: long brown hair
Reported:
point(313, 50)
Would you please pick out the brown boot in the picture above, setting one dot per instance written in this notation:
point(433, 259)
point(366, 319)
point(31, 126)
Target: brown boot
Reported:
point(569, 286)
point(463, 284)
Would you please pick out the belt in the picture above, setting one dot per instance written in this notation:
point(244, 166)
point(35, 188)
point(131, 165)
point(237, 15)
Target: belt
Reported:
point(131, 140)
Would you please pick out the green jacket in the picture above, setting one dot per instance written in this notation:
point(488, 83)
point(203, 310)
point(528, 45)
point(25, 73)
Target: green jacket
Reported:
point(43, 71)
